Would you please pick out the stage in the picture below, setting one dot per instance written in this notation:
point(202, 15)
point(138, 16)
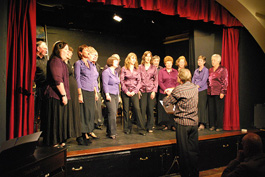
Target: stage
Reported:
point(150, 155)
point(134, 140)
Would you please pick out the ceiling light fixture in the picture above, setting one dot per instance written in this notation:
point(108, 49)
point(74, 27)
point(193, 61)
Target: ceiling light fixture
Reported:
point(117, 18)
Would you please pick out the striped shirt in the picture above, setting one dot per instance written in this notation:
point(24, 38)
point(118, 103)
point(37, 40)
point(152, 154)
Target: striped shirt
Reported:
point(185, 97)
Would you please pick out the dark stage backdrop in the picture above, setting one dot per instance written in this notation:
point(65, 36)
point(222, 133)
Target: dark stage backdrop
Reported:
point(105, 44)
point(207, 41)
point(251, 78)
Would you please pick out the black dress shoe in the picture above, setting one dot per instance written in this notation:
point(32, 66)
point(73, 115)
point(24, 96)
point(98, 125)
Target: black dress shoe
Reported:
point(82, 141)
point(142, 133)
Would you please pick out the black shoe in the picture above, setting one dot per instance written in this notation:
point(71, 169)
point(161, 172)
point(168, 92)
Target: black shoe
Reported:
point(127, 132)
point(99, 127)
point(142, 133)
point(82, 141)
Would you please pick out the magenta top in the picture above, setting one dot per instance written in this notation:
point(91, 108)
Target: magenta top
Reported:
point(167, 79)
point(218, 81)
point(130, 81)
point(149, 79)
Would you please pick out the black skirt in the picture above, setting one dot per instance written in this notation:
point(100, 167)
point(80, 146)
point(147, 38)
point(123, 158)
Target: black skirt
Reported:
point(54, 122)
point(74, 122)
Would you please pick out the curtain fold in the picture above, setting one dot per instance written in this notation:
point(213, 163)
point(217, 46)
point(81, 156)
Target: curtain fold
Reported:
point(230, 56)
point(206, 10)
point(21, 65)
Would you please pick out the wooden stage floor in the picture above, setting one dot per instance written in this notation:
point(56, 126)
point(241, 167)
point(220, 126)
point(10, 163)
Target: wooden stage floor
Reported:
point(135, 141)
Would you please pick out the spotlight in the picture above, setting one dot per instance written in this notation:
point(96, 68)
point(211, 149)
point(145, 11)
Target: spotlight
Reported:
point(117, 18)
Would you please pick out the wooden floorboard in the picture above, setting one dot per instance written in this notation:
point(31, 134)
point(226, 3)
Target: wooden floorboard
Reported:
point(147, 144)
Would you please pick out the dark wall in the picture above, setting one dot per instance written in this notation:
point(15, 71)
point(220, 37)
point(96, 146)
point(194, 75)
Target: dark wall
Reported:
point(207, 41)
point(251, 78)
point(105, 44)
point(3, 38)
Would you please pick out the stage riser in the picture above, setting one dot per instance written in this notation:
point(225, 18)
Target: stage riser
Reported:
point(154, 161)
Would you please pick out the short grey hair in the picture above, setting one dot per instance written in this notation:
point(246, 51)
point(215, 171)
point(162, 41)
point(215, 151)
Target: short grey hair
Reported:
point(218, 57)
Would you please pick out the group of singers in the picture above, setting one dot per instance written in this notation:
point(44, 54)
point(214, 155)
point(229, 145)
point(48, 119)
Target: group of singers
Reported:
point(69, 97)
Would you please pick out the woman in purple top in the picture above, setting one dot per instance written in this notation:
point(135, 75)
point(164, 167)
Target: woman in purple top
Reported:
point(167, 78)
point(130, 85)
point(86, 75)
point(111, 81)
point(58, 94)
point(147, 93)
point(200, 78)
point(217, 88)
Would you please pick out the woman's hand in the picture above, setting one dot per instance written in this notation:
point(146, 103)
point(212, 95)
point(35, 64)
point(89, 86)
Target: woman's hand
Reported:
point(139, 94)
point(153, 95)
point(222, 95)
point(108, 97)
point(96, 96)
point(128, 94)
point(64, 100)
point(80, 98)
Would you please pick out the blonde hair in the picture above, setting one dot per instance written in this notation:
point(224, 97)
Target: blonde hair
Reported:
point(180, 58)
point(127, 60)
point(168, 58)
point(144, 55)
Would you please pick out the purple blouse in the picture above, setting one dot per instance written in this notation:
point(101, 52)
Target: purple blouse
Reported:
point(167, 80)
point(130, 81)
point(110, 82)
point(57, 72)
point(218, 81)
point(200, 78)
point(149, 79)
point(86, 78)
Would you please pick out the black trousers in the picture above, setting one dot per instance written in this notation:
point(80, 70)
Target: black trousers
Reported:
point(99, 120)
point(202, 108)
point(112, 107)
point(216, 110)
point(188, 150)
point(87, 111)
point(147, 108)
point(136, 107)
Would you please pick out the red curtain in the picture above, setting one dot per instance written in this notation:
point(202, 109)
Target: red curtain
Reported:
point(21, 64)
point(206, 10)
point(230, 61)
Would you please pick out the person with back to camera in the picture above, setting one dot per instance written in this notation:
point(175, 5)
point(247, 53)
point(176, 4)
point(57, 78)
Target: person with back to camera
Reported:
point(111, 81)
point(57, 95)
point(147, 93)
point(130, 85)
point(200, 78)
point(217, 88)
point(86, 75)
point(250, 162)
point(167, 78)
point(185, 99)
